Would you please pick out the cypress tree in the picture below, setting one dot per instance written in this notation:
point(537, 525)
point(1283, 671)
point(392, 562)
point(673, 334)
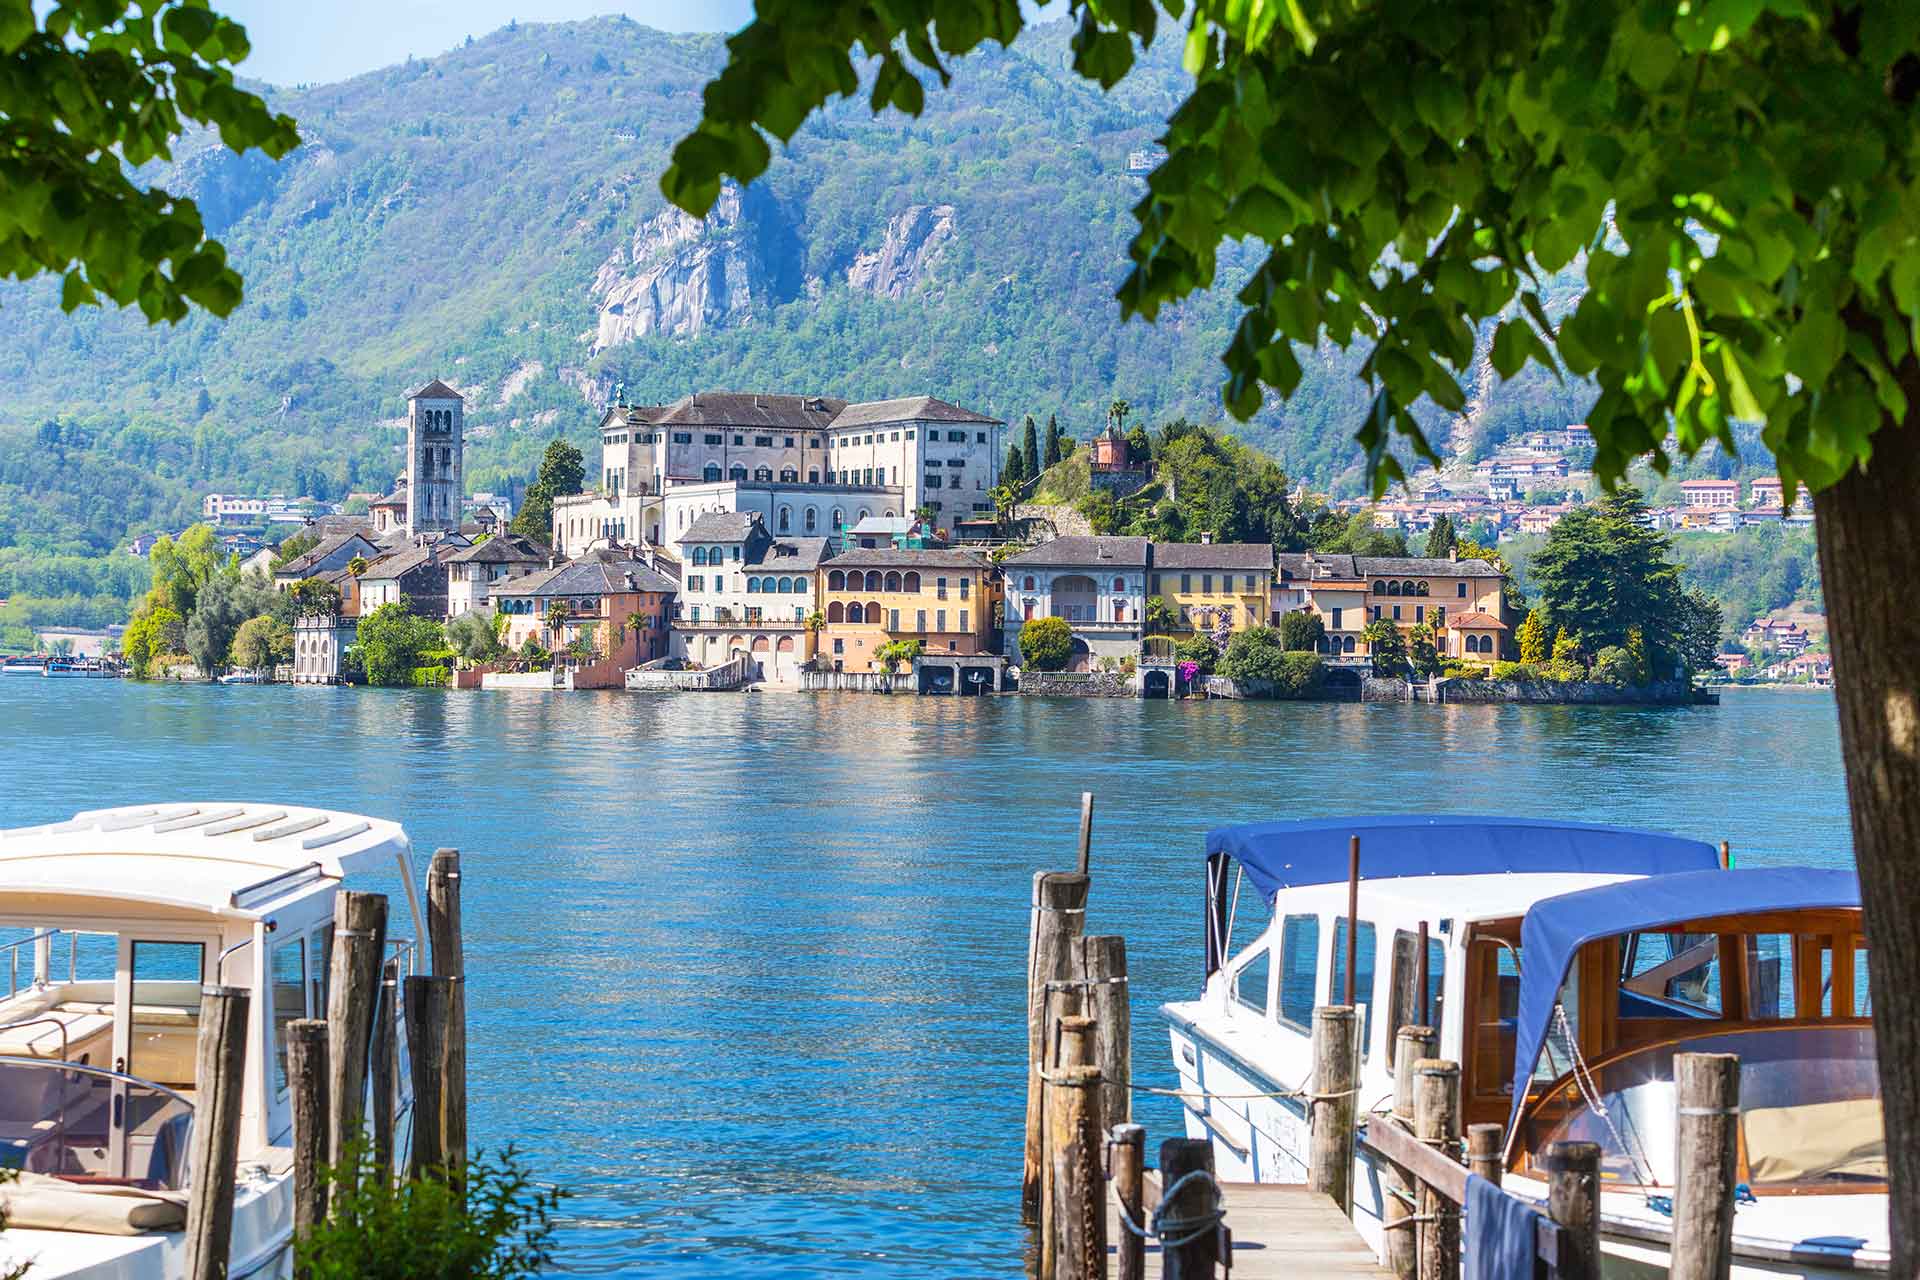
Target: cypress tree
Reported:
point(1015, 472)
point(1441, 539)
point(1032, 467)
point(1054, 453)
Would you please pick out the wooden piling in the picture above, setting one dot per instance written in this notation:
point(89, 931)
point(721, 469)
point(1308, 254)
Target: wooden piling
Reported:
point(1330, 1110)
point(1086, 832)
point(1126, 1169)
point(1436, 1122)
point(1188, 1209)
point(307, 1083)
point(383, 1067)
point(1486, 1144)
point(1411, 1044)
point(220, 1078)
point(1103, 959)
point(449, 961)
point(1078, 1192)
point(1573, 1201)
point(426, 1001)
point(1058, 917)
point(1706, 1087)
point(359, 938)
point(1071, 1039)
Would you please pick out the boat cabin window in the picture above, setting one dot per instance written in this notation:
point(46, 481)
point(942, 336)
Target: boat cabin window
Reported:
point(317, 977)
point(1250, 983)
point(1668, 974)
point(289, 964)
point(1770, 976)
point(1403, 1000)
point(1299, 970)
point(1362, 973)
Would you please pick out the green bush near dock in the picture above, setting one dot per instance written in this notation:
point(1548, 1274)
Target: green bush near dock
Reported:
point(1046, 644)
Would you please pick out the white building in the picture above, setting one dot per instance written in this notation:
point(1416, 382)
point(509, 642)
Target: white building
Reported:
point(744, 591)
point(473, 572)
point(1098, 584)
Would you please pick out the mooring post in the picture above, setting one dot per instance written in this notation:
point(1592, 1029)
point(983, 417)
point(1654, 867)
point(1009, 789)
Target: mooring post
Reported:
point(1706, 1088)
point(1411, 1044)
point(1330, 1109)
point(1436, 1122)
point(1079, 1192)
point(1071, 1039)
point(1058, 916)
point(1086, 832)
point(1188, 1209)
point(220, 1080)
point(449, 962)
point(1485, 1145)
point(307, 1082)
point(427, 1002)
point(1103, 959)
point(1126, 1169)
point(359, 938)
point(383, 1067)
point(1573, 1201)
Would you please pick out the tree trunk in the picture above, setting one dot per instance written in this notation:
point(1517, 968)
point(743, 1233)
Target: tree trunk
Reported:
point(1868, 527)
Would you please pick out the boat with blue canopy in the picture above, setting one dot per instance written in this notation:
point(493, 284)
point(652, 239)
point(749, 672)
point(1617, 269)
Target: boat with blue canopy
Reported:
point(1562, 965)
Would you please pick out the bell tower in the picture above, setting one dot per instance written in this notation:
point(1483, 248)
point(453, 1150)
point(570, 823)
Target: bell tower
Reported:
point(436, 466)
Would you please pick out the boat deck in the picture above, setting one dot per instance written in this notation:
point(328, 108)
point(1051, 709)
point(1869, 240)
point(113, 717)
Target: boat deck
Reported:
point(1280, 1232)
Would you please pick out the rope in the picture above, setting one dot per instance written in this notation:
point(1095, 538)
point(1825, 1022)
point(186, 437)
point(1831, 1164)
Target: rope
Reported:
point(1193, 1228)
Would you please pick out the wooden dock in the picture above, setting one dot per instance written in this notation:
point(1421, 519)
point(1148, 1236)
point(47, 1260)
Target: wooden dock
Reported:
point(1280, 1232)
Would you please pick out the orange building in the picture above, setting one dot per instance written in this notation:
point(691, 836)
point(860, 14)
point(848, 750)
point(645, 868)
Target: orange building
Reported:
point(945, 599)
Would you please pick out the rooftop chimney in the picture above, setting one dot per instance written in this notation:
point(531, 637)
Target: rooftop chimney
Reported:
point(1206, 538)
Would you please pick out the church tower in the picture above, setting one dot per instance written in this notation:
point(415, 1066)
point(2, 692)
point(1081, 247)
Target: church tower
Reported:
point(436, 469)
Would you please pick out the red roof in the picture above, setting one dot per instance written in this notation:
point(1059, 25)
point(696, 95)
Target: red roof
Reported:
point(1475, 622)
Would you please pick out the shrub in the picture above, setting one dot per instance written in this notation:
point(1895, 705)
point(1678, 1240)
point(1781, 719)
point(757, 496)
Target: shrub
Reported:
point(428, 678)
point(1046, 644)
point(1302, 631)
point(1616, 666)
point(1200, 651)
point(1301, 674)
point(897, 653)
point(1253, 654)
point(1516, 671)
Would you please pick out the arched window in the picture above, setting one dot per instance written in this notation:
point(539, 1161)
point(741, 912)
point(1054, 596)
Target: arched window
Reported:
point(1423, 588)
point(873, 611)
point(892, 581)
point(1379, 588)
point(1346, 644)
point(737, 473)
point(700, 555)
point(865, 514)
point(789, 476)
point(873, 580)
point(836, 581)
point(839, 519)
point(855, 613)
point(912, 582)
point(799, 584)
point(753, 586)
point(1027, 583)
point(1119, 610)
point(1393, 588)
point(786, 586)
point(1119, 584)
point(1406, 588)
point(716, 555)
point(712, 473)
point(786, 519)
point(888, 513)
point(836, 612)
point(763, 474)
point(812, 520)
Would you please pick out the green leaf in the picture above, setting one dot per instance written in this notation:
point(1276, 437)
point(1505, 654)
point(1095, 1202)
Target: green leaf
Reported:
point(1814, 345)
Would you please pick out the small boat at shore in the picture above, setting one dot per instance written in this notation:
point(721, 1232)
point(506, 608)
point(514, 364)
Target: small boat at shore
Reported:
point(242, 677)
point(1565, 965)
point(112, 921)
point(29, 665)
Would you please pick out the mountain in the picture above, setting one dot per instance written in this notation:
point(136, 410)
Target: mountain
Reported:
point(492, 216)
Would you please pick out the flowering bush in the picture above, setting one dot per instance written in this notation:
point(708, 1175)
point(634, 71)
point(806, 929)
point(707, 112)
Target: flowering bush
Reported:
point(1188, 670)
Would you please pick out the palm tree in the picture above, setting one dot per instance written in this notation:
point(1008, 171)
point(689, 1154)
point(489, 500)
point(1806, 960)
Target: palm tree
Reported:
point(1117, 412)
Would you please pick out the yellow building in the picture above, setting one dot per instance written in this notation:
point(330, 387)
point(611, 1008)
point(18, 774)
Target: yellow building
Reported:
point(945, 599)
point(1463, 600)
point(1208, 583)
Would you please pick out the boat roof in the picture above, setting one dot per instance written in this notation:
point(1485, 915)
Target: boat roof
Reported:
point(1558, 927)
point(1284, 855)
point(231, 859)
point(1466, 899)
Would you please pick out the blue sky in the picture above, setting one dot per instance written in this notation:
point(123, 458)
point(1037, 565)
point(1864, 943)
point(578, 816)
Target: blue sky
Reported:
point(315, 41)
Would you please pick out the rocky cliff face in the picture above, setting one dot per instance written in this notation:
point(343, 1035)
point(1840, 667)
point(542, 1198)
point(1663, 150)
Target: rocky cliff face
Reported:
point(680, 276)
point(914, 241)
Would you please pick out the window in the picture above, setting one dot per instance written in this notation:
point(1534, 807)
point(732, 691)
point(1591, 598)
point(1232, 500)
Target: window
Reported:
point(697, 582)
point(1156, 584)
point(166, 974)
point(1362, 972)
point(934, 481)
point(913, 581)
point(713, 439)
point(813, 477)
point(1403, 1005)
point(1299, 972)
point(737, 473)
point(789, 476)
point(1662, 974)
point(1376, 613)
point(956, 462)
point(1186, 582)
point(963, 621)
point(812, 519)
point(789, 442)
point(940, 588)
point(909, 435)
point(765, 442)
point(957, 437)
point(895, 436)
point(1250, 983)
point(940, 619)
point(739, 439)
point(711, 473)
point(1460, 589)
point(855, 613)
point(1419, 613)
point(786, 520)
point(920, 620)
point(979, 437)
point(753, 586)
point(1770, 976)
point(892, 580)
point(763, 475)
point(699, 555)
point(893, 619)
point(288, 960)
point(1396, 613)
point(1206, 584)
point(966, 585)
point(839, 647)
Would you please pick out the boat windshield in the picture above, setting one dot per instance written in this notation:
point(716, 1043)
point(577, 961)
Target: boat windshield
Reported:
point(1810, 1115)
point(56, 1118)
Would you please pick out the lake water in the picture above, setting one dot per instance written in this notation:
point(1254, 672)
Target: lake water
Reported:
point(747, 971)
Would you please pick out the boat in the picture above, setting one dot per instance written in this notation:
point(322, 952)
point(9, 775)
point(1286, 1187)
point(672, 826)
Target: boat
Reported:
point(1565, 965)
point(28, 665)
point(114, 919)
point(243, 677)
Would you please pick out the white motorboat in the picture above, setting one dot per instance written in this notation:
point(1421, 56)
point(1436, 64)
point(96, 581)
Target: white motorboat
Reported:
point(1565, 966)
point(114, 919)
point(243, 677)
point(30, 665)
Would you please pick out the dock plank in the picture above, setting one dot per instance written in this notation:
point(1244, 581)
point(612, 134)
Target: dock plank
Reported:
point(1280, 1232)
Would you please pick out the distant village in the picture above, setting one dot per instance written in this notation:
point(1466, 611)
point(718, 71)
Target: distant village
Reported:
point(736, 539)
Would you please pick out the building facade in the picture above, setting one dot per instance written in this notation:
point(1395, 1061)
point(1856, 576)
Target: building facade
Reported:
point(319, 647)
point(746, 592)
point(473, 572)
point(436, 462)
point(1710, 493)
point(1097, 584)
point(945, 599)
point(619, 605)
point(1213, 587)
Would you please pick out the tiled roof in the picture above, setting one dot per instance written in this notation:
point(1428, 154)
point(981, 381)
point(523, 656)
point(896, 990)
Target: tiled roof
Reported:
point(1215, 555)
point(601, 571)
point(1105, 551)
point(398, 564)
point(502, 548)
point(791, 555)
point(1475, 621)
point(720, 526)
point(742, 409)
point(320, 550)
point(931, 557)
point(1418, 566)
point(435, 390)
point(907, 409)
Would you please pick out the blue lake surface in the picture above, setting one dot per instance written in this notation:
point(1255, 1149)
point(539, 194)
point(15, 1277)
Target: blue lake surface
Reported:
point(748, 971)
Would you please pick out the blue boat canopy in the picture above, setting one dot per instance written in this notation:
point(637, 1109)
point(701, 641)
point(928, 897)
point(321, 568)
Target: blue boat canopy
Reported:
point(1556, 928)
point(1285, 855)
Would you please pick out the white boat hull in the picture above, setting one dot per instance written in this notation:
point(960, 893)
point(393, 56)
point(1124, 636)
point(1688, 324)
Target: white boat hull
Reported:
point(261, 1249)
point(1266, 1139)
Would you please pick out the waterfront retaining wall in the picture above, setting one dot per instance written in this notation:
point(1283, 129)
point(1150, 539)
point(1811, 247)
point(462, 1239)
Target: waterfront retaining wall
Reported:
point(542, 680)
point(855, 682)
point(1251, 690)
point(1384, 689)
point(1569, 692)
point(1078, 684)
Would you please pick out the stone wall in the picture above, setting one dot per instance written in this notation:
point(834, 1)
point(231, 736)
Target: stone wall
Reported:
point(856, 682)
point(1570, 692)
point(1382, 689)
point(1078, 684)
